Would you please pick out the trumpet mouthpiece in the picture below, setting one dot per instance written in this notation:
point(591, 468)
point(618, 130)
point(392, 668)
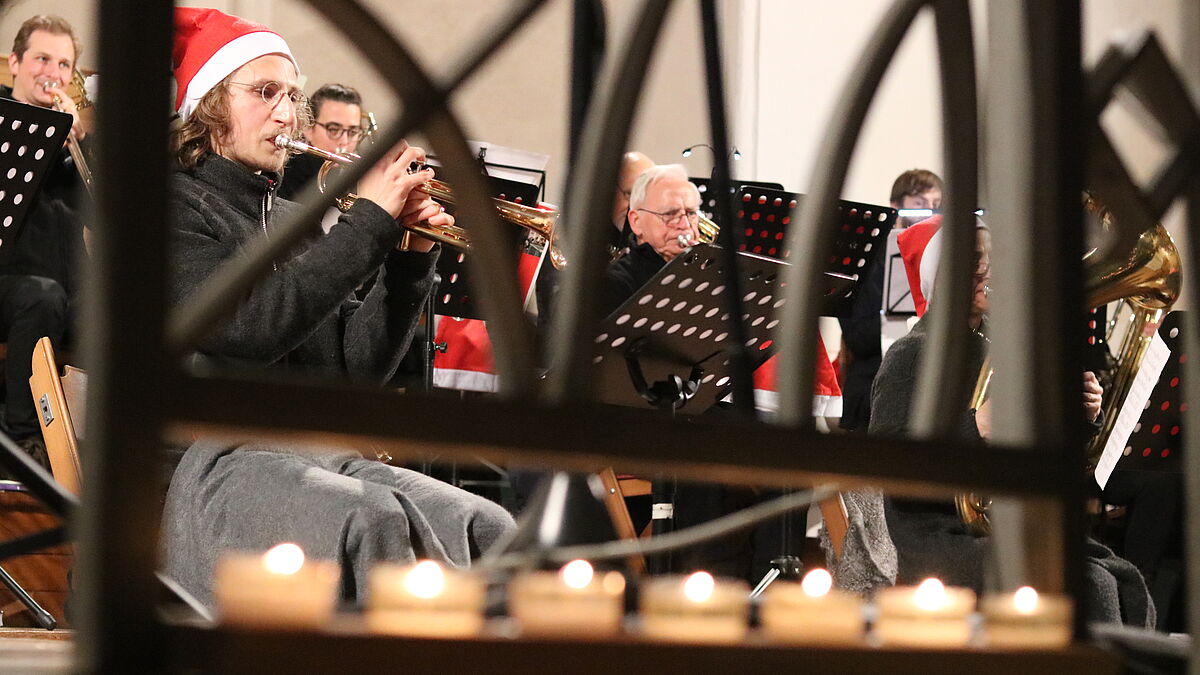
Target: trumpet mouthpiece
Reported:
point(284, 142)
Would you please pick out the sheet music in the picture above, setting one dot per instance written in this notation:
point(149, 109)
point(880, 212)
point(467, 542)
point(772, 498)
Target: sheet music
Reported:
point(1139, 393)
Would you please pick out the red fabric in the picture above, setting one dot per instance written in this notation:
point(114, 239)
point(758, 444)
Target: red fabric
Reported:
point(826, 383)
point(912, 242)
point(199, 33)
point(468, 347)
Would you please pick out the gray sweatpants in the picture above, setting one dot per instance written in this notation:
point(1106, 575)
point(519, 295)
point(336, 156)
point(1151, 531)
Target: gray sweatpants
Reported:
point(335, 504)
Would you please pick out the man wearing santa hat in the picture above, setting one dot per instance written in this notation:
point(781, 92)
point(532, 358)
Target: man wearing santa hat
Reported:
point(237, 90)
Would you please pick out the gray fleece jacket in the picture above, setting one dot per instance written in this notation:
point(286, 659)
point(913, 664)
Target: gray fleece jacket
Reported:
point(304, 315)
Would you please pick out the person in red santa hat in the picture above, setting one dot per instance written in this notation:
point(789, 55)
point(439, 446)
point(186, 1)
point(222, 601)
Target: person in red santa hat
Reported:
point(237, 91)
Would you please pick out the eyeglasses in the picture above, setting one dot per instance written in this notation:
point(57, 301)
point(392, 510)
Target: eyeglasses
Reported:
point(336, 131)
point(672, 217)
point(273, 92)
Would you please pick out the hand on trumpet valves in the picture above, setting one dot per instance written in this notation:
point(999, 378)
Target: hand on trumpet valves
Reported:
point(390, 185)
point(62, 102)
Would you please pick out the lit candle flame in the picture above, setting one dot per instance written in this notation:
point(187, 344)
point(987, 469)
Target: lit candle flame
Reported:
point(577, 574)
point(284, 559)
point(699, 587)
point(817, 583)
point(930, 595)
point(1025, 600)
point(425, 580)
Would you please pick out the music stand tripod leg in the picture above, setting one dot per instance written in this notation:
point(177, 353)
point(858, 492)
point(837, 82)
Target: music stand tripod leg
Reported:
point(41, 616)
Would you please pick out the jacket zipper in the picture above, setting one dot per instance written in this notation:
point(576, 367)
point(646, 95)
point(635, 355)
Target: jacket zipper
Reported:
point(268, 201)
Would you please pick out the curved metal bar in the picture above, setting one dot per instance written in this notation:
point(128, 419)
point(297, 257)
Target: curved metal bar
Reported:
point(423, 99)
point(590, 199)
point(943, 375)
point(814, 232)
point(728, 236)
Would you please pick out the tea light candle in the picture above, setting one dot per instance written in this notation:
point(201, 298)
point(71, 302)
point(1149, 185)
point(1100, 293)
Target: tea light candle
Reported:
point(929, 615)
point(812, 612)
point(424, 600)
point(575, 601)
point(277, 589)
point(696, 609)
point(1026, 620)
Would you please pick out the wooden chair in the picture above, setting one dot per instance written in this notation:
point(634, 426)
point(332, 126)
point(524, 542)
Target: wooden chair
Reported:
point(59, 397)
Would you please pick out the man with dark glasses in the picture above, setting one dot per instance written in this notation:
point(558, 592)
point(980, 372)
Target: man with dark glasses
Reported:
point(337, 127)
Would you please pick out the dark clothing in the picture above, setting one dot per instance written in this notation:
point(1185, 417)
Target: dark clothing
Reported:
point(30, 308)
point(299, 172)
point(51, 238)
point(303, 316)
point(861, 338)
point(625, 276)
point(620, 243)
point(340, 506)
point(39, 277)
point(930, 538)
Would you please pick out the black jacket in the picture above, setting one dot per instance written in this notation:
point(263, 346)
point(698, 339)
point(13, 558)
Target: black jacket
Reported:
point(50, 240)
point(304, 314)
point(299, 172)
point(625, 276)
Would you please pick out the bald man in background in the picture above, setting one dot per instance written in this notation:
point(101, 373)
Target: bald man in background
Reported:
point(633, 164)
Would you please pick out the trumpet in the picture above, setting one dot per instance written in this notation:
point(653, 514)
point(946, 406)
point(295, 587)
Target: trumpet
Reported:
point(82, 101)
point(539, 221)
point(708, 233)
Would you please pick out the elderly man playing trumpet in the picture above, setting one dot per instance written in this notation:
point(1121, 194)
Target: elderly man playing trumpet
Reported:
point(237, 92)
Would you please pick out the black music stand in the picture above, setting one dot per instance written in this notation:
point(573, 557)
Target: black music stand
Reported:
point(30, 139)
point(708, 201)
point(665, 347)
point(1157, 440)
point(764, 214)
point(454, 297)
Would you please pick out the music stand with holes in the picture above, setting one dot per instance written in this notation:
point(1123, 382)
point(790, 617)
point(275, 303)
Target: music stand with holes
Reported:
point(665, 347)
point(30, 140)
point(1156, 443)
point(455, 297)
point(708, 201)
point(764, 215)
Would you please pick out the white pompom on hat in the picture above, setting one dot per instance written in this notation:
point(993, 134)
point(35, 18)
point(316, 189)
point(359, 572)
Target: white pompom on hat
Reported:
point(209, 45)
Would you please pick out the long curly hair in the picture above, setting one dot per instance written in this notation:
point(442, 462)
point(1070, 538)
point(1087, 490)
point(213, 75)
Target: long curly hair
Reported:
point(211, 120)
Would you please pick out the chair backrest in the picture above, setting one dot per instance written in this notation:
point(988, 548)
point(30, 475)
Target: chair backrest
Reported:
point(837, 522)
point(59, 399)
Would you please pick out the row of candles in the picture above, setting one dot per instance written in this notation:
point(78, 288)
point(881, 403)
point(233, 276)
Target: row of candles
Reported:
point(282, 589)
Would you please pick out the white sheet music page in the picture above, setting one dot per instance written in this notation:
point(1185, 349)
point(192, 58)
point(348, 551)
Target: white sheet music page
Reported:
point(1139, 393)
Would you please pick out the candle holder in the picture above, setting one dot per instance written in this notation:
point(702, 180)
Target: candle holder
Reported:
point(1026, 620)
point(697, 608)
point(573, 602)
point(276, 589)
point(929, 615)
point(812, 612)
point(425, 600)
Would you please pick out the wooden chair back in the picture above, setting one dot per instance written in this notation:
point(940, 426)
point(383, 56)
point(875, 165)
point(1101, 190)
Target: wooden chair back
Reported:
point(59, 396)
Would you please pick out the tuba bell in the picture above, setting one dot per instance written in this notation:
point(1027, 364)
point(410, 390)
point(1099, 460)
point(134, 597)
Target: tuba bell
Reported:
point(1148, 278)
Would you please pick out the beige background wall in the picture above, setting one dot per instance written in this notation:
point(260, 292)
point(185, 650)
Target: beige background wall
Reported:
point(787, 59)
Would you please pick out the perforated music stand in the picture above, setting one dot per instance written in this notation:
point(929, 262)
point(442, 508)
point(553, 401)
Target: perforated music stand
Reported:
point(454, 296)
point(1157, 440)
point(708, 201)
point(30, 139)
point(764, 215)
point(665, 346)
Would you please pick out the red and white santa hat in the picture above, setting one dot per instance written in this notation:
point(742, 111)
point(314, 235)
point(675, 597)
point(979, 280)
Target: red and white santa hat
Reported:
point(921, 249)
point(209, 45)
